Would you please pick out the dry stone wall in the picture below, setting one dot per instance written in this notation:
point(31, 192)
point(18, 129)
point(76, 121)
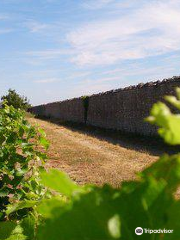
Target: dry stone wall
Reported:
point(69, 110)
point(121, 109)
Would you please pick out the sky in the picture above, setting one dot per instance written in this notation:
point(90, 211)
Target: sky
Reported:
point(51, 50)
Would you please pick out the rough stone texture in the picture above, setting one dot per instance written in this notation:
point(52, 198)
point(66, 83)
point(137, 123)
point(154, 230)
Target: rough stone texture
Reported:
point(121, 109)
point(69, 110)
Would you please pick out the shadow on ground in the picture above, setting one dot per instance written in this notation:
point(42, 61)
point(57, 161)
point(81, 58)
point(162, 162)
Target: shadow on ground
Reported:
point(153, 145)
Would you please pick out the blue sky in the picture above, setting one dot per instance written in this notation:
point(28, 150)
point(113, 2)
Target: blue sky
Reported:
point(52, 50)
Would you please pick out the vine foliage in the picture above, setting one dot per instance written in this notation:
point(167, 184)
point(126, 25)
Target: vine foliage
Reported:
point(20, 160)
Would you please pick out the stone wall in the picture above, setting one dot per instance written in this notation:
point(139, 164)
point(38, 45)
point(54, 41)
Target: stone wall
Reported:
point(121, 109)
point(69, 110)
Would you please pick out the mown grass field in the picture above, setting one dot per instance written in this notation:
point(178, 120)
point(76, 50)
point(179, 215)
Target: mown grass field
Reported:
point(88, 159)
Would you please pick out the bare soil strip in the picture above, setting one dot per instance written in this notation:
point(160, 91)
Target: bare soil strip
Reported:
point(90, 160)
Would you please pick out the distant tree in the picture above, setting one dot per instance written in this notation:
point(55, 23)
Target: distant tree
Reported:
point(16, 100)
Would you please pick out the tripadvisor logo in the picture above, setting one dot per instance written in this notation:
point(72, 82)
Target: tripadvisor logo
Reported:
point(139, 231)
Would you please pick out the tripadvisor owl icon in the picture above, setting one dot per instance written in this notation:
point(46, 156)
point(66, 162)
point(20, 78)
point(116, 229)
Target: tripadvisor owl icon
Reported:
point(138, 231)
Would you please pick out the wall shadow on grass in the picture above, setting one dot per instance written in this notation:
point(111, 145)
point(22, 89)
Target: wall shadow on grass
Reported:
point(153, 145)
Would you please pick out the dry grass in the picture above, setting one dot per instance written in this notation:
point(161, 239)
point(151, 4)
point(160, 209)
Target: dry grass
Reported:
point(88, 159)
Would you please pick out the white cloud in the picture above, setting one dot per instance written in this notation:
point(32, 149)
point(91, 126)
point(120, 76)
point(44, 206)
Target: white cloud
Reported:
point(47, 80)
point(151, 29)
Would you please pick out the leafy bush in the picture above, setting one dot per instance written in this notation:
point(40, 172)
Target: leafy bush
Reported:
point(15, 100)
point(73, 212)
point(19, 158)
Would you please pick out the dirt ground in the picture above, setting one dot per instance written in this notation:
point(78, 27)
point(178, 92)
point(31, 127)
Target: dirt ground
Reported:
point(88, 159)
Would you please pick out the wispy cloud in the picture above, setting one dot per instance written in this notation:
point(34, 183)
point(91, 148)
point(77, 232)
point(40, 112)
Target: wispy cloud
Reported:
point(3, 16)
point(79, 75)
point(137, 70)
point(47, 80)
point(70, 48)
point(92, 4)
point(35, 27)
point(149, 31)
point(49, 53)
point(90, 88)
point(4, 31)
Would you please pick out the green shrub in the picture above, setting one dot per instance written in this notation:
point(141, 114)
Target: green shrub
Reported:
point(86, 107)
point(15, 100)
